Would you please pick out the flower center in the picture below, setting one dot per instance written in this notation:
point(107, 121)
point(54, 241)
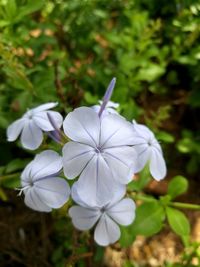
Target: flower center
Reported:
point(149, 142)
point(22, 189)
point(102, 209)
point(29, 114)
point(98, 149)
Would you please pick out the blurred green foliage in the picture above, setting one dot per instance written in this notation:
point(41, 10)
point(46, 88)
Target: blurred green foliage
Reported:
point(69, 51)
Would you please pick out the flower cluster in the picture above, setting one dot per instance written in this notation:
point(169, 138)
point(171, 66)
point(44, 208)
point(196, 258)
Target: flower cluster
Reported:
point(102, 154)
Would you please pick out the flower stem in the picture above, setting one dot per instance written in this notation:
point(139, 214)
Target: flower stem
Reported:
point(9, 176)
point(143, 198)
point(185, 205)
point(181, 205)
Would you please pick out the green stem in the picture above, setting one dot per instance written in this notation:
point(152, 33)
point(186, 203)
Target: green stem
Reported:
point(171, 204)
point(184, 205)
point(143, 198)
point(9, 176)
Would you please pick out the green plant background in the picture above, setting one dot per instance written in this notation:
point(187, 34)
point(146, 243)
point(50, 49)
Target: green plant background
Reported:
point(68, 51)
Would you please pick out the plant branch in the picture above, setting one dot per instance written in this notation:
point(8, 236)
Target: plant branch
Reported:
point(9, 176)
point(185, 205)
point(180, 205)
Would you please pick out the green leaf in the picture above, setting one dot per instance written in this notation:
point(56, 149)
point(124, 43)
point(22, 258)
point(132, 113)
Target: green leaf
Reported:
point(151, 72)
point(178, 222)
point(4, 23)
point(127, 237)
point(12, 181)
point(11, 9)
point(185, 145)
point(3, 121)
point(90, 98)
point(144, 179)
point(99, 253)
point(3, 195)
point(149, 218)
point(177, 186)
point(2, 168)
point(166, 137)
point(32, 6)
point(165, 200)
point(18, 77)
point(194, 98)
point(127, 263)
point(15, 165)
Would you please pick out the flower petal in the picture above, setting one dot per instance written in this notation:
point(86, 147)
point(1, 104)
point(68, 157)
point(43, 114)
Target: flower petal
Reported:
point(75, 158)
point(84, 218)
point(96, 182)
point(111, 104)
point(42, 121)
point(34, 202)
point(26, 175)
point(157, 165)
point(83, 125)
point(44, 107)
point(46, 164)
point(123, 212)
point(14, 130)
point(75, 196)
point(107, 231)
point(144, 152)
point(118, 193)
point(110, 108)
point(116, 131)
point(56, 117)
point(53, 191)
point(31, 137)
point(120, 161)
point(143, 131)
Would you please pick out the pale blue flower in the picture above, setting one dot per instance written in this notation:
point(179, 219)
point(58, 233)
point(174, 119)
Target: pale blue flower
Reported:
point(149, 150)
point(44, 190)
point(32, 125)
point(105, 218)
point(100, 152)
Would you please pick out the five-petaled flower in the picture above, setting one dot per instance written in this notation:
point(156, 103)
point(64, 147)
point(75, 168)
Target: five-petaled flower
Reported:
point(149, 150)
point(31, 125)
point(42, 187)
point(99, 152)
point(118, 210)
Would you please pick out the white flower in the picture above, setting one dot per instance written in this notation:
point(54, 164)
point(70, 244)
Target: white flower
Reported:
point(42, 187)
point(149, 150)
point(110, 107)
point(31, 125)
point(117, 211)
point(100, 152)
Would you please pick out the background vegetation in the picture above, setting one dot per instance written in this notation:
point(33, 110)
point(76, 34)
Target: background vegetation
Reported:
point(68, 51)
